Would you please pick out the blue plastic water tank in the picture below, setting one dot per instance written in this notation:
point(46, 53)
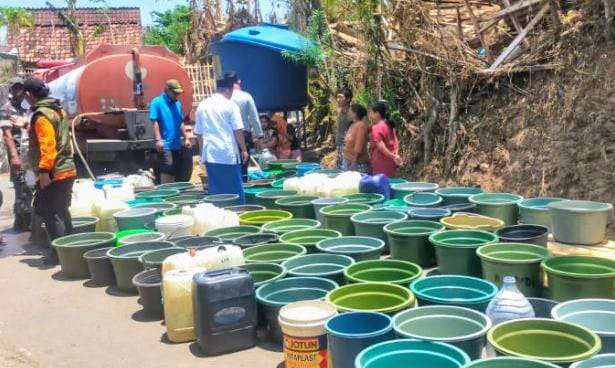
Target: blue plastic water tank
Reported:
point(255, 53)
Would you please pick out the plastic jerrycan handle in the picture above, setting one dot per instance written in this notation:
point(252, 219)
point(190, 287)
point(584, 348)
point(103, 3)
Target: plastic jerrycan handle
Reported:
point(224, 272)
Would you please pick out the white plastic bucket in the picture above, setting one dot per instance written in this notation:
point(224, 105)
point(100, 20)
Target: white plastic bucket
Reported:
point(305, 336)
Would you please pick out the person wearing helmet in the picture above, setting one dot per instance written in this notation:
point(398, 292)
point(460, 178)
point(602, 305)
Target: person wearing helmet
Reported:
point(14, 125)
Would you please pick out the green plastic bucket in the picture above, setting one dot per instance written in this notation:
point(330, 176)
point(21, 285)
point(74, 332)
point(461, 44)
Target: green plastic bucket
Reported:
point(273, 253)
point(222, 200)
point(371, 223)
point(461, 327)
point(411, 353)
point(282, 164)
point(386, 270)
point(360, 248)
point(139, 237)
point(181, 186)
point(580, 222)
point(158, 194)
point(423, 199)
point(409, 241)
point(233, 232)
point(509, 362)
point(456, 250)
point(272, 296)
point(403, 189)
point(259, 218)
point(325, 202)
point(134, 218)
point(263, 273)
point(328, 266)
point(577, 277)
point(535, 211)
point(285, 226)
point(154, 258)
point(299, 206)
point(597, 361)
point(552, 341)
point(514, 259)
point(309, 238)
point(278, 184)
point(457, 195)
point(174, 211)
point(268, 198)
point(502, 206)
point(597, 315)
point(84, 224)
point(125, 261)
point(245, 208)
point(365, 198)
point(371, 297)
point(461, 291)
point(337, 217)
point(71, 248)
point(251, 193)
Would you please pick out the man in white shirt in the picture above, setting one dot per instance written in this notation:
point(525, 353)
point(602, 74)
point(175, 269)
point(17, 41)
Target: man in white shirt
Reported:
point(219, 128)
point(249, 115)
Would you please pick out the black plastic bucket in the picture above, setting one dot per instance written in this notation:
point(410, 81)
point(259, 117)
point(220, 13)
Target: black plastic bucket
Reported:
point(150, 295)
point(529, 234)
point(100, 267)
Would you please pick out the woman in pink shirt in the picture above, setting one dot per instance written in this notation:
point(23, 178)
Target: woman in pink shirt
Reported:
point(385, 157)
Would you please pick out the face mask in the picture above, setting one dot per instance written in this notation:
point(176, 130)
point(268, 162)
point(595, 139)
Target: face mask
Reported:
point(25, 105)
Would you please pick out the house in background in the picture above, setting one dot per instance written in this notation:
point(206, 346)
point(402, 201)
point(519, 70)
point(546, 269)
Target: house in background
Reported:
point(50, 38)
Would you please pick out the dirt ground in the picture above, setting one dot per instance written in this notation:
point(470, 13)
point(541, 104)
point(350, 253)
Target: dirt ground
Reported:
point(48, 321)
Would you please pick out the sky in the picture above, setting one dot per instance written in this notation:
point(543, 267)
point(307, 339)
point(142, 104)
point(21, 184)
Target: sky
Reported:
point(147, 6)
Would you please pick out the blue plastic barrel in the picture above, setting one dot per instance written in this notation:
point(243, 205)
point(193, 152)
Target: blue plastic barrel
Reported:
point(304, 167)
point(349, 333)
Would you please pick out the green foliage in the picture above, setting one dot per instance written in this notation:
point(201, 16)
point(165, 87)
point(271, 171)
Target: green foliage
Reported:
point(315, 54)
point(170, 28)
point(15, 18)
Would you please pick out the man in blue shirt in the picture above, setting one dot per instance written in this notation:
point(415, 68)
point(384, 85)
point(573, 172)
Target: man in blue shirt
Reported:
point(165, 112)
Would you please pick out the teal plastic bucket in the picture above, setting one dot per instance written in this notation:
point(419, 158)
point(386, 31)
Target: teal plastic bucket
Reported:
point(328, 266)
point(309, 238)
point(365, 198)
point(423, 199)
point(503, 206)
point(300, 206)
point(403, 189)
point(134, 218)
point(597, 361)
point(371, 223)
point(360, 248)
point(393, 181)
point(461, 327)
point(337, 217)
point(411, 353)
point(222, 200)
point(324, 202)
point(409, 241)
point(383, 270)
point(294, 224)
point(251, 193)
point(181, 186)
point(461, 291)
point(305, 167)
point(264, 273)
point(535, 211)
point(349, 333)
point(233, 232)
point(160, 207)
point(509, 362)
point(597, 315)
point(456, 250)
point(457, 195)
point(273, 296)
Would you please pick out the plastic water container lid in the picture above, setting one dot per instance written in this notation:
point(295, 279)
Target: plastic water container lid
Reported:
point(306, 314)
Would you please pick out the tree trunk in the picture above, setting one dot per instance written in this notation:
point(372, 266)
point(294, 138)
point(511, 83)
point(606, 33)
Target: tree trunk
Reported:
point(427, 128)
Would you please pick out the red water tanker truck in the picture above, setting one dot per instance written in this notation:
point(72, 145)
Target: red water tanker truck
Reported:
point(106, 94)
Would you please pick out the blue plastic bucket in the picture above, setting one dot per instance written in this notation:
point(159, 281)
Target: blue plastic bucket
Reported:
point(411, 353)
point(304, 167)
point(349, 333)
point(430, 214)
